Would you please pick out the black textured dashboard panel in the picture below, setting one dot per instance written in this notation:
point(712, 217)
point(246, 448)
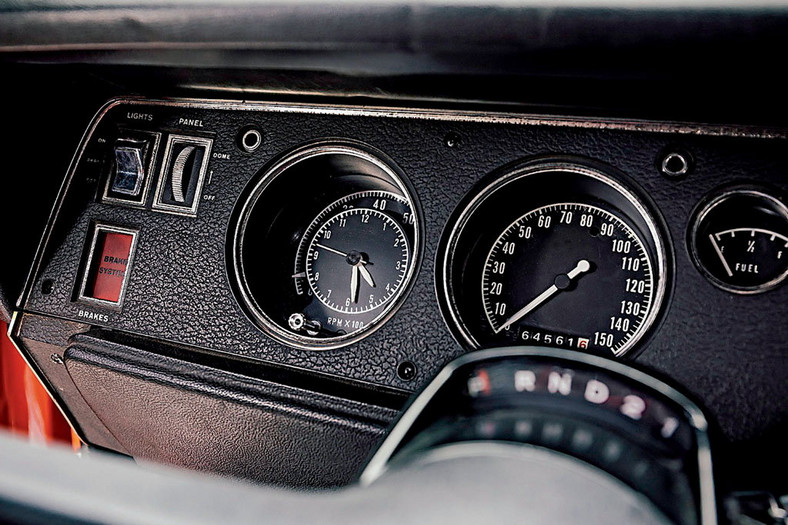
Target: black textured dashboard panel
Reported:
point(5, 307)
point(724, 348)
point(276, 436)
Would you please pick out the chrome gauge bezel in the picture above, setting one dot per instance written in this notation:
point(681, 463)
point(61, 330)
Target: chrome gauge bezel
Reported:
point(507, 176)
point(705, 208)
point(394, 176)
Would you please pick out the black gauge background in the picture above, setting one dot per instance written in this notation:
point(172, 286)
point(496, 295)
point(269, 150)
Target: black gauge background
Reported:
point(591, 298)
point(334, 270)
point(493, 214)
point(283, 207)
point(734, 206)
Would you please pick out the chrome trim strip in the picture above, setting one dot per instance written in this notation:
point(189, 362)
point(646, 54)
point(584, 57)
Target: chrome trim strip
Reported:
point(495, 117)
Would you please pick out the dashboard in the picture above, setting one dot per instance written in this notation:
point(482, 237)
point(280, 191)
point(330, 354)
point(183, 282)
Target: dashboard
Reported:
point(172, 227)
point(250, 267)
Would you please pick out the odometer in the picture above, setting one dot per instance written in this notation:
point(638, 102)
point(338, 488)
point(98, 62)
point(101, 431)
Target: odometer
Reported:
point(571, 275)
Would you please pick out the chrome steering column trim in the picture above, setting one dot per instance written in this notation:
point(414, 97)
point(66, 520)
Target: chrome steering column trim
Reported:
point(381, 460)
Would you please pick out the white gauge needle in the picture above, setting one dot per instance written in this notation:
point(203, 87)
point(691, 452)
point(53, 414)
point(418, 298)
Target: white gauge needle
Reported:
point(354, 283)
point(719, 252)
point(582, 267)
point(332, 250)
point(365, 273)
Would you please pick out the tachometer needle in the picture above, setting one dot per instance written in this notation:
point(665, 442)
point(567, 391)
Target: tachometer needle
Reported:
point(354, 283)
point(719, 252)
point(365, 273)
point(581, 267)
point(332, 250)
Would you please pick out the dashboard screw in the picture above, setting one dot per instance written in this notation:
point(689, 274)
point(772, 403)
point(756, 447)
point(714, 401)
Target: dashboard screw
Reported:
point(56, 359)
point(249, 139)
point(675, 164)
point(47, 286)
point(452, 140)
point(406, 371)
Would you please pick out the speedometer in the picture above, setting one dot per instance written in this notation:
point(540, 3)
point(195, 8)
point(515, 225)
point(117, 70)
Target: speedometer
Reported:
point(568, 274)
point(554, 254)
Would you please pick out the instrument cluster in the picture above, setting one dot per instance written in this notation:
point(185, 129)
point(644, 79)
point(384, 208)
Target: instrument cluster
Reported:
point(362, 244)
point(550, 251)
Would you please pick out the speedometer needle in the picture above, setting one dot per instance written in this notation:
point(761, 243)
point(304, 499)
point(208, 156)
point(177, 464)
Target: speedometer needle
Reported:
point(581, 267)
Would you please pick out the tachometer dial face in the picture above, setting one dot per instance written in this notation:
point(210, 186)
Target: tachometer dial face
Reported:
point(571, 275)
point(356, 262)
point(351, 263)
point(553, 254)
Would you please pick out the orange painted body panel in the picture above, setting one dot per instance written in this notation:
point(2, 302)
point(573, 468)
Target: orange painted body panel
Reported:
point(25, 406)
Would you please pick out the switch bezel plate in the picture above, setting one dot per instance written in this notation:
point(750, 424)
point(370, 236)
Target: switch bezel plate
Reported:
point(98, 229)
point(172, 141)
point(140, 200)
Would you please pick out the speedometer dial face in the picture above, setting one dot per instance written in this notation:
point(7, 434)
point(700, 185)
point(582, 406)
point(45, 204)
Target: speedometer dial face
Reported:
point(571, 275)
point(557, 254)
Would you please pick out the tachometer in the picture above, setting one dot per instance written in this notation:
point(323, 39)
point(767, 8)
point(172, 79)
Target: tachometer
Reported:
point(354, 258)
point(325, 245)
point(555, 254)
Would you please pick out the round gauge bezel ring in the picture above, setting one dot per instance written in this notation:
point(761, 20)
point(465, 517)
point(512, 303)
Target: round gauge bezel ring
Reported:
point(702, 212)
point(507, 176)
point(279, 168)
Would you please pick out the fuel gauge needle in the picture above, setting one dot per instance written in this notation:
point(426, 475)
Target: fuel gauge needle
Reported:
point(581, 267)
point(719, 252)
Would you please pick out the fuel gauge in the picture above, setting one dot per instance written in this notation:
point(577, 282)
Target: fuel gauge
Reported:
point(739, 240)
